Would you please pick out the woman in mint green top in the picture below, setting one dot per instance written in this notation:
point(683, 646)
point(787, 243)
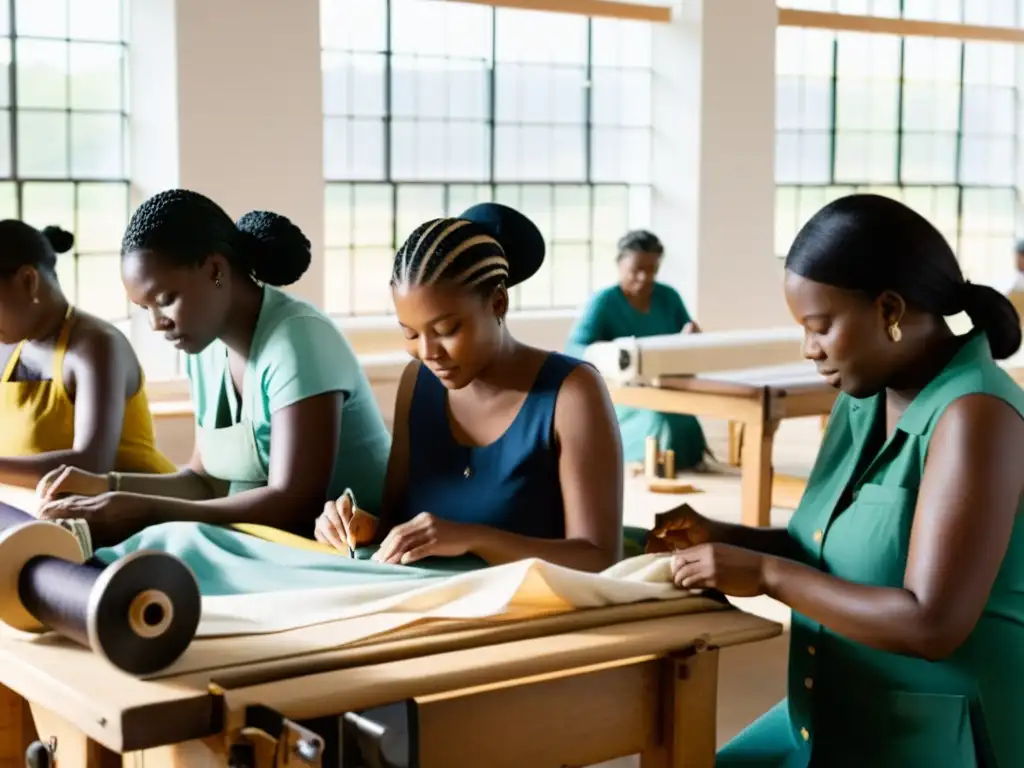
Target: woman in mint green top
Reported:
point(904, 562)
point(285, 418)
point(639, 306)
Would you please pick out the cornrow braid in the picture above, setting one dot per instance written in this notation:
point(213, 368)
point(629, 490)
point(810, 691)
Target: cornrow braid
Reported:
point(451, 250)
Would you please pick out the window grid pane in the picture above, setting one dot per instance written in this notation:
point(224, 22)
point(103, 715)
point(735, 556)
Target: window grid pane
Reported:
point(442, 105)
point(63, 137)
point(931, 122)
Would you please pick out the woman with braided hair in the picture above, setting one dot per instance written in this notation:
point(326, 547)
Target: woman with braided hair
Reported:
point(72, 391)
point(285, 418)
point(501, 451)
point(904, 562)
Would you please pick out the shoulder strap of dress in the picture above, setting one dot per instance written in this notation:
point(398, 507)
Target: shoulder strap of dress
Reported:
point(61, 348)
point(12, 363)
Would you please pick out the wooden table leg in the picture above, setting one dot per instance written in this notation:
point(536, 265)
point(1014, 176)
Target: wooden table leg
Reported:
point(16, 729)
point(690, 707)
point(735, 443)
point(756, 473)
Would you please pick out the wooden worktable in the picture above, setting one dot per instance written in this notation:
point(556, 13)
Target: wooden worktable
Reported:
point(758, 399)
point(637, 679)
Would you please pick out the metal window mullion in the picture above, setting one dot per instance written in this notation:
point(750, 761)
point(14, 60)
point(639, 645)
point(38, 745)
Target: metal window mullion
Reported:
point(834, 99)
point(957, 176)
point(12, 82)
point(492, 103)
point(901, 84)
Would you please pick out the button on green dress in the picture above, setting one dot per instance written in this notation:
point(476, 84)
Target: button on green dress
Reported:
point(851, 705)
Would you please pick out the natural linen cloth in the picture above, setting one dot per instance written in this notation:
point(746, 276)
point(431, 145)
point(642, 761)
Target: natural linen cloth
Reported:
point(253, 586)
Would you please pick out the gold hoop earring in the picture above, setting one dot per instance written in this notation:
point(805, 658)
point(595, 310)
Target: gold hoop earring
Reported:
point(895, 333)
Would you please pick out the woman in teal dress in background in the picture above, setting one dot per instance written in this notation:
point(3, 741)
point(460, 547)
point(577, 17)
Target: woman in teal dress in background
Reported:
point(640, 306)
point(904, 562)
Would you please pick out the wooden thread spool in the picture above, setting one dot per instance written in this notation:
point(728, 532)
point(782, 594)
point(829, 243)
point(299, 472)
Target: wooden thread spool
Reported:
point(150, 613)
point(140, 613)
point(669, 465)
point(651, 456)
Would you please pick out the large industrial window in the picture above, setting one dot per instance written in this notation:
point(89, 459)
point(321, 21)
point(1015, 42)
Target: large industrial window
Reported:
point(63, 135)
point(933, 122)
point(430, 107)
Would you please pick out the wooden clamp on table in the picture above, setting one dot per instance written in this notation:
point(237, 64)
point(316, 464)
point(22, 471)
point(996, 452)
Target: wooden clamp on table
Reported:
point(253, 736)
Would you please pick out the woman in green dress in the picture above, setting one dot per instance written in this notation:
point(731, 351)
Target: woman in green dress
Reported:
point(640, 306)
point(904, 563)
point(285, 417)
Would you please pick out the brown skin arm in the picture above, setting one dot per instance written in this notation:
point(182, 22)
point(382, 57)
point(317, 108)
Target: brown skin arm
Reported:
point(190, 484)
point(591, 474)
point(101, 365)
point(967, 504)
point(396, 478)
point(303, 450)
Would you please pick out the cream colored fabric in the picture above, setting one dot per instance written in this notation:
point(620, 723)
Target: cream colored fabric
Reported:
point(520, 589)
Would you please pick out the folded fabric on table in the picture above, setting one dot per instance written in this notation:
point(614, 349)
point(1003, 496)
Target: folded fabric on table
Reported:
point(515, 590)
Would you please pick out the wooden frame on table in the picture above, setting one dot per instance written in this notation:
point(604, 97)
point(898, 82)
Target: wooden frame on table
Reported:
point(756, 408)
point(638, 679)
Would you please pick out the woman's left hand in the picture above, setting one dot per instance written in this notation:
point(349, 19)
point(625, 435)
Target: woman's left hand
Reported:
point(426, 535)
point(732, 570)
point(111, 516)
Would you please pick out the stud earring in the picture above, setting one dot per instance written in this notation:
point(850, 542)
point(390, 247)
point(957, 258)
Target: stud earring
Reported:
point(35, 299)
point(216, 281)
point(895, 333)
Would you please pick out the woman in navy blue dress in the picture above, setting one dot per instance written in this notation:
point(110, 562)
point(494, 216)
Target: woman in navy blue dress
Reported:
point(500, 450)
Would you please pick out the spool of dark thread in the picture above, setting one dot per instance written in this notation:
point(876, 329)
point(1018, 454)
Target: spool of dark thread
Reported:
point(11, 516)
point(140, 612)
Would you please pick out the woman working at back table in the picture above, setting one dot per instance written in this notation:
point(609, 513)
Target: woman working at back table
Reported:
point(284, 414)
point(640, 306)
point(72, 391)
point(904, 563)
point(500, 450)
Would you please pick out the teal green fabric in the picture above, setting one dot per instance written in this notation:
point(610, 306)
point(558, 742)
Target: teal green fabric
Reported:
point(297, 352)
point(227, 562)
point(608, 316)
point(851, 705)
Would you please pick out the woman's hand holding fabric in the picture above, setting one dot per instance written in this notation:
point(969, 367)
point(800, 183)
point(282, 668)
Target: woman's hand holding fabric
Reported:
point(426, 535)
point(112, 517)
point(732, 570)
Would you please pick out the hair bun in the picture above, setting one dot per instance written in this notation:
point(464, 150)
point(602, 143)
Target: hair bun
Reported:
point(276, 251)
point(994, 314)
point(519, 237)
point(60, 240)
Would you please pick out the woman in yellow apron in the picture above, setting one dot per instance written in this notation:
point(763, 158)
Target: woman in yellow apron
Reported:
point(285, 418)
point(71, 388)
